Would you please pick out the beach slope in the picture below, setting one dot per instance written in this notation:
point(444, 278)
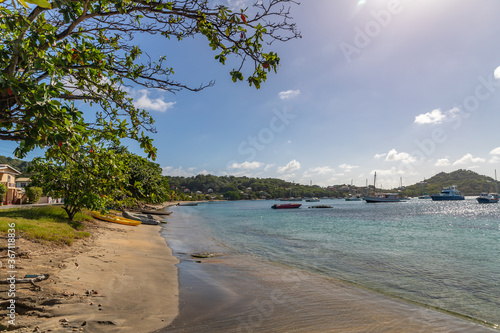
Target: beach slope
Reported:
point(124, 280)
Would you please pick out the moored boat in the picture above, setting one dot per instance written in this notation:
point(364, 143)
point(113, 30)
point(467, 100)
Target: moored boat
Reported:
point(448, 193)
point(321, 206)
point(114, 218)
point(383, 197)
point(156, 212)
point(488, 198)
point(144, 219)
point(286, 206)
point(312, 200)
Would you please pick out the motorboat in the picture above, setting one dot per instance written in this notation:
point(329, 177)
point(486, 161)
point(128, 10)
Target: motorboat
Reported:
point(448, 193)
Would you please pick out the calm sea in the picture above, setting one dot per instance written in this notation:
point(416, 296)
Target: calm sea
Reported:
point(441, 254)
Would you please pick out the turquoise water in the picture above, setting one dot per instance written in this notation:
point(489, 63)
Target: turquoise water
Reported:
point(442, 254)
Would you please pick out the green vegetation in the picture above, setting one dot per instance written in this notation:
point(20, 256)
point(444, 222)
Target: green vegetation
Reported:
point(468, 183)
point(44, 224)
point(145, 182)
point(3, 191)
point(34, 194)
point(20, 165)
point(65, 55)
point(235, 188)
point(85, 177)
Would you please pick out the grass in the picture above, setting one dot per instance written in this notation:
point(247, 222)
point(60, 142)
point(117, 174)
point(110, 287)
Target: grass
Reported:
point(48, 224)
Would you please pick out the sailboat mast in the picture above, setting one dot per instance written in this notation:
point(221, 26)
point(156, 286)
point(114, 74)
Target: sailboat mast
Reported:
point(374, 180)
point(496, 183)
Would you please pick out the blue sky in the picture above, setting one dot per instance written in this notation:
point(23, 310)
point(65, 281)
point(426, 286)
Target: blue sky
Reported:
point(404, 88)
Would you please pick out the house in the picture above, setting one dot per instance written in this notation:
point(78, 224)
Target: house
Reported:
point(22, 182)
point(8, 178)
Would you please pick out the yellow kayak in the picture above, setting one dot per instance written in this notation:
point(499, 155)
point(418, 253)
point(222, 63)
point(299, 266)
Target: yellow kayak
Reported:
point(114, 218)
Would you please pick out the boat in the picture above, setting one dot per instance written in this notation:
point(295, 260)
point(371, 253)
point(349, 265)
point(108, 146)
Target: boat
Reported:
point(321, 206)
point(114, 218)
point(381, 197)
point(144, 219)
point(286, 206)
point(312, 200)
point(489, 197)
point(156, 212)
point(448, 193)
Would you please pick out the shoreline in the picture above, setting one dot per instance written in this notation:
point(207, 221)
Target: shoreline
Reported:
point(236, 292)
point(123, 279)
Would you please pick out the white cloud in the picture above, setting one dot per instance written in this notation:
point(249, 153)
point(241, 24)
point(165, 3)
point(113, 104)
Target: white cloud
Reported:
point(318, 171)
point(394, 156)
point(269, 166)
point(289, 94)
point(179, 172)
point(433, 117)
point(388, 172)
point(494, 160)
point(496, 73)
point(379, 156)
point(291, 166)
point(157, 104)
point(348, 167)
point(442, 162)
point(437, 116)
point(467, 159)
point(237, 4)
point(495, 151)
point(246, 165)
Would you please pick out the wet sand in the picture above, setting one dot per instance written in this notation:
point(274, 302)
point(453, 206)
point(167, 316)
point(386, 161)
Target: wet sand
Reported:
point(238, 293)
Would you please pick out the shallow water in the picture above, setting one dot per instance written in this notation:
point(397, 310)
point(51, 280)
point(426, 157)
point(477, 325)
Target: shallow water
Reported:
point(442, 254)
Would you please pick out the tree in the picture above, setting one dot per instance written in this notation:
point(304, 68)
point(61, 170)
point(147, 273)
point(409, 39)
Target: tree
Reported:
point(67, 51)
point(85, 176)
point(145, 181)
point(3, 191)
point(34, 193)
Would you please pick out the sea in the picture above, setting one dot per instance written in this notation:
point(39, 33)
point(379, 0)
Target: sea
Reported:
point(442, 255)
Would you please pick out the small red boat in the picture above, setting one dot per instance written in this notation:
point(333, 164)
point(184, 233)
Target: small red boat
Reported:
point(285, 206)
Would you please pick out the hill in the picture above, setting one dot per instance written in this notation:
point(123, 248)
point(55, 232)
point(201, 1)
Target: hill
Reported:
point(15, 163)
point(467, 181)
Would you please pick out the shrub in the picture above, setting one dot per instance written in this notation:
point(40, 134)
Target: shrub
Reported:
point(34, 194)
point(3, 190)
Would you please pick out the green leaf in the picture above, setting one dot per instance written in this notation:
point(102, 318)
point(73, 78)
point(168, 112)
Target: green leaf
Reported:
point(41, 3)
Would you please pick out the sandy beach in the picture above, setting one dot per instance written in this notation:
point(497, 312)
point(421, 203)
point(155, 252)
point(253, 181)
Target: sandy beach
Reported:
point(124, 279)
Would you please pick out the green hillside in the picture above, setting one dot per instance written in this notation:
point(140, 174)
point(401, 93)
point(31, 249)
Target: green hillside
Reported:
point(468, 183)
point(20, 165)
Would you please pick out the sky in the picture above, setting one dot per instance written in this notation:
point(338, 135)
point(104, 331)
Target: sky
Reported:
point(403, 88)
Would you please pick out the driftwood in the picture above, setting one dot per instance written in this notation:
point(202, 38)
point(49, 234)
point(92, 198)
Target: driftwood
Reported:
point(27, 280)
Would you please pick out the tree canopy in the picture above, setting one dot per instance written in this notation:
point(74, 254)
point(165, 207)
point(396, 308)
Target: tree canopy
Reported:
point(60, 57)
